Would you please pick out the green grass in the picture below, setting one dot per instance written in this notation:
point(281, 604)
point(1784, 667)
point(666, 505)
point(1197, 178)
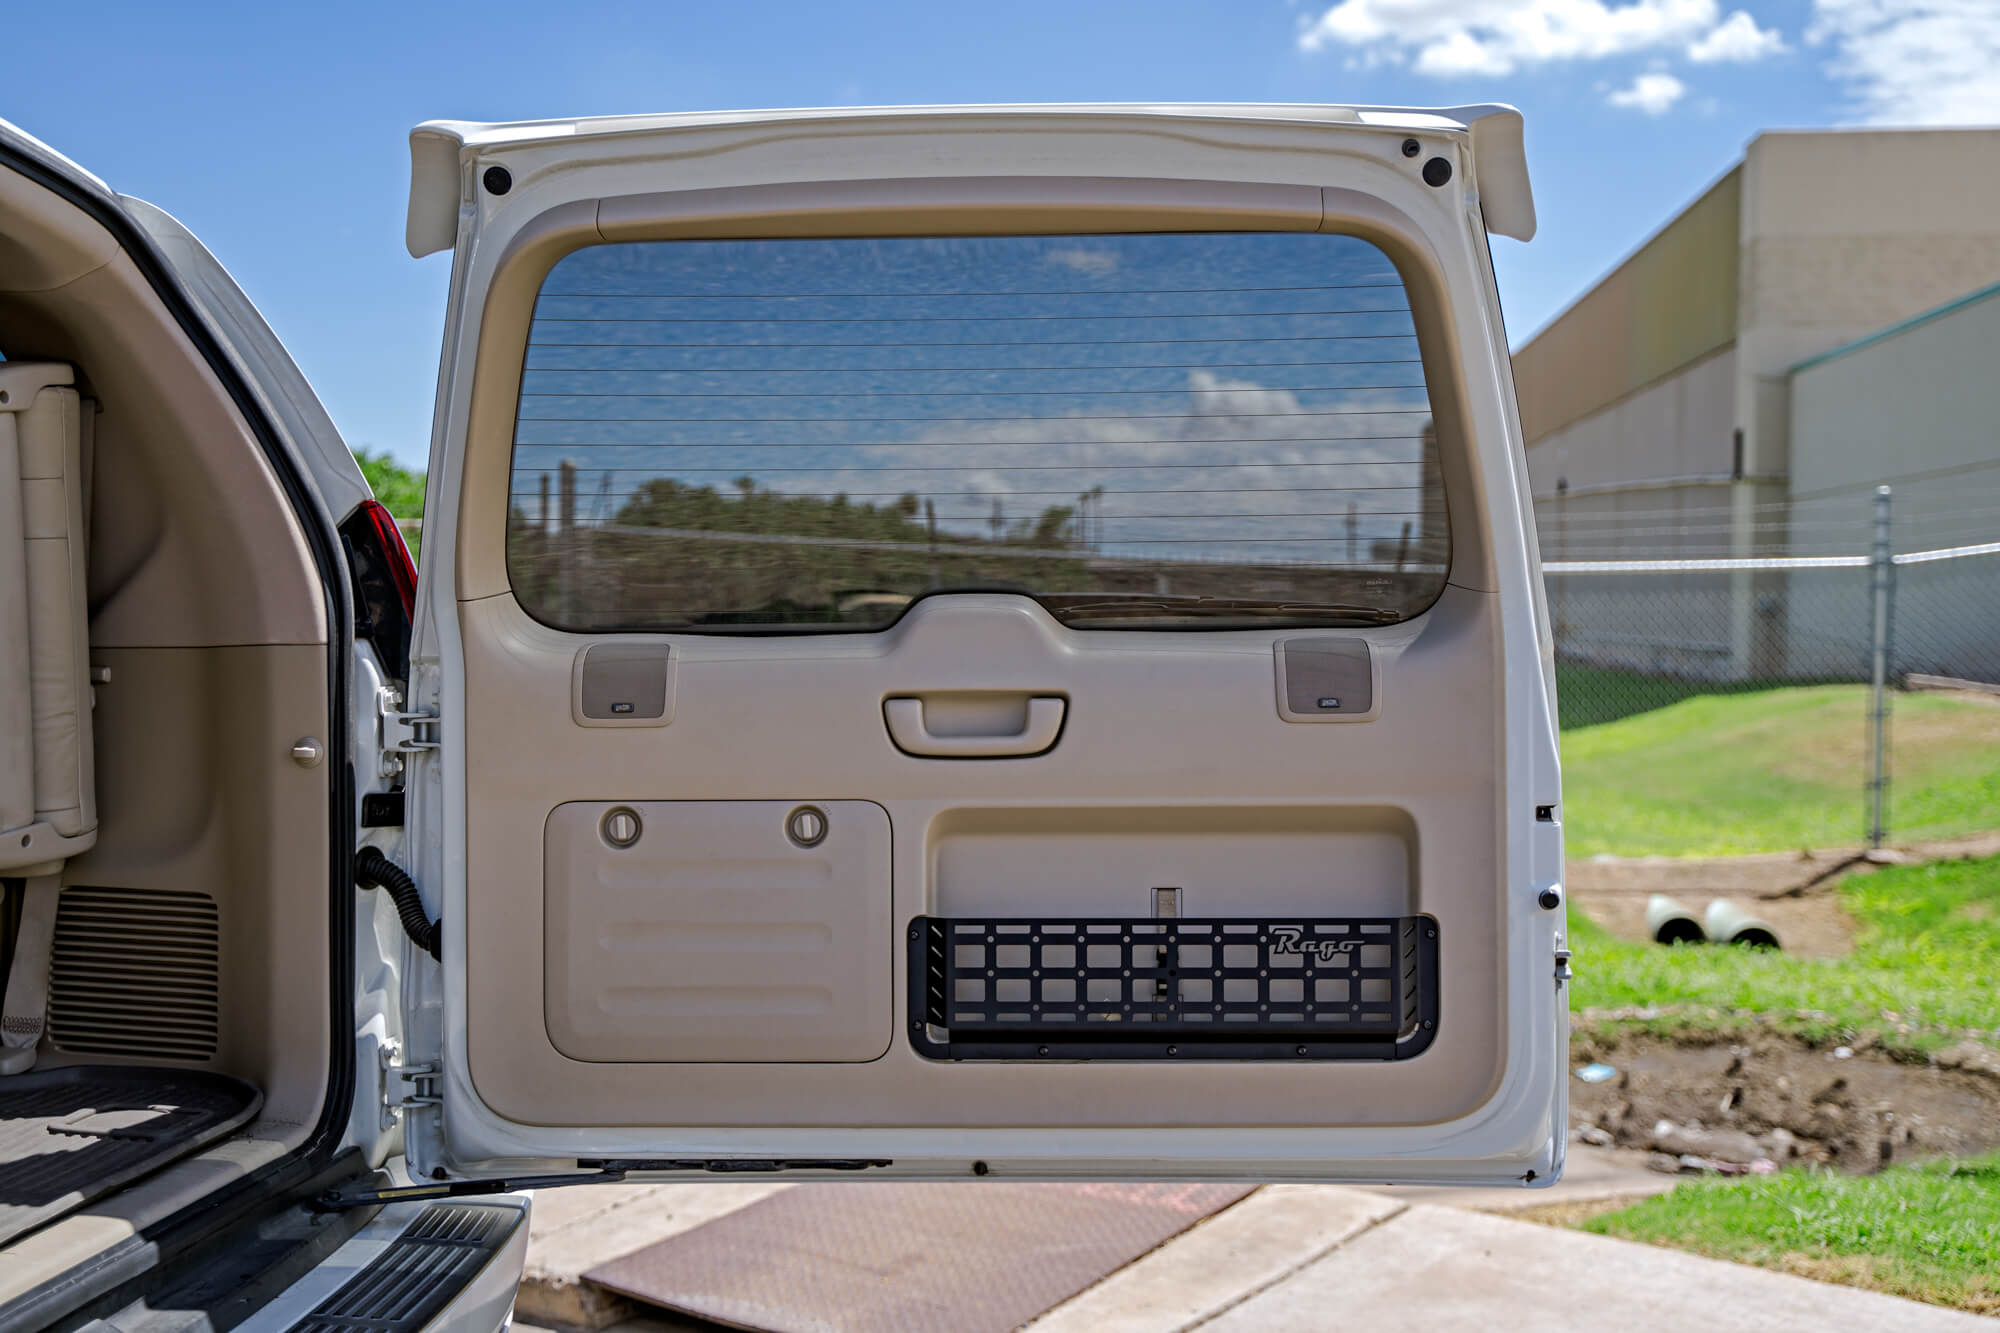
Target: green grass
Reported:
point(1591, 696)
point(1921, 975)
point(1772, 770)
point(1928, 1232)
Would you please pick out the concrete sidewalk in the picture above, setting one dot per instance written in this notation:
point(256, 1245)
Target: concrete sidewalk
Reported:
point(1592, 1175)
point(1289, 1257)
point(1300, 1258)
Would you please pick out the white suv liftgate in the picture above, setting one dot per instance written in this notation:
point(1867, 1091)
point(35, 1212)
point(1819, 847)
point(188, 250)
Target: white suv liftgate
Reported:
point(982, 878)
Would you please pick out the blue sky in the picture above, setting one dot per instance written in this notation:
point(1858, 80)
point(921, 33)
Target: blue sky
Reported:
point(278, 132)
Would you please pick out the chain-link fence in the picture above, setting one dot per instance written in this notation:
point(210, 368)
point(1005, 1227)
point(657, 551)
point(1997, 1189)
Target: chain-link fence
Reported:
point(1637, 635)
point(1697, 618)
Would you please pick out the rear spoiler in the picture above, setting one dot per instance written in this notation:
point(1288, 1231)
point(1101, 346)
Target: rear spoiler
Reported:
point(438, 184)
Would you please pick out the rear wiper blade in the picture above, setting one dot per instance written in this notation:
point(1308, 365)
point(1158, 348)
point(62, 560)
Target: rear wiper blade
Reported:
point(1221, 605)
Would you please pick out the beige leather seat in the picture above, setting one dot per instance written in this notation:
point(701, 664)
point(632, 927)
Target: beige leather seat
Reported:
point(48, 807)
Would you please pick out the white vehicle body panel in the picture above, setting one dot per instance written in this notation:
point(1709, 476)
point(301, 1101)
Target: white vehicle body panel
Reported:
point(265, 364)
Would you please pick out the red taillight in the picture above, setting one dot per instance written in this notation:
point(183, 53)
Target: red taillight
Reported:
point(401, 567)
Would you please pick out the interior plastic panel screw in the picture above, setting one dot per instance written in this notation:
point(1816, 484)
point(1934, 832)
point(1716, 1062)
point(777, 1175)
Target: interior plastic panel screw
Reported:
point(307, 752)
point(807, 827)
point(621, 826)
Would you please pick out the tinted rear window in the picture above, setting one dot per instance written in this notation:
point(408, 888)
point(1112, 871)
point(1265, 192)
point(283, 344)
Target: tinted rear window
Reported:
point(1215, 430)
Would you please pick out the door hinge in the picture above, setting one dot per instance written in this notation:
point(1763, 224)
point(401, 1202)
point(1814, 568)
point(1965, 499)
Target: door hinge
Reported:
point(1562, 967)
point(405, 1086)
point(399, 733)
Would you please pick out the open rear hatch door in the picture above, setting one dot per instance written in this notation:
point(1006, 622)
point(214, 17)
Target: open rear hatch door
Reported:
point(986, 641)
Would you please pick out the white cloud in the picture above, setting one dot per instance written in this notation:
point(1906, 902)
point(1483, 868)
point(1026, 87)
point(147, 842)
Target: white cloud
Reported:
point(1737, 40)
point(1653, 93)
point(1914, 62)
point(1093, 263)
point(1175, 465)
point(1447, 38)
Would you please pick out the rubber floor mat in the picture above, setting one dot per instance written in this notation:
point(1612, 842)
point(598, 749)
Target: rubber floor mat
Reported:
point(971, 1258)
point(68, 1136)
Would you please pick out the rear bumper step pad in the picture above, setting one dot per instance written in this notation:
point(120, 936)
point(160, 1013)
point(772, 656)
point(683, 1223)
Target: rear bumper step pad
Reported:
point(1211, 988)
point(418, 1274)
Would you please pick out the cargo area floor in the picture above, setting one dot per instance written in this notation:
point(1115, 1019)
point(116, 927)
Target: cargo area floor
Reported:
point(68, 1136)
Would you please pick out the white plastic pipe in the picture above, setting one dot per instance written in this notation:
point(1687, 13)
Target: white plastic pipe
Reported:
point(1669, 922)
point(1732, 923)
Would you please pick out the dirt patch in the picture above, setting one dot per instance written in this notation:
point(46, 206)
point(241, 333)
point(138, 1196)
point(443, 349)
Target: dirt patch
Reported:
point(1855, 1114)
point(1963, 691)
point(1982, 1296)
point(1614, 895)
point(1793, 891)
point(1572, 1213)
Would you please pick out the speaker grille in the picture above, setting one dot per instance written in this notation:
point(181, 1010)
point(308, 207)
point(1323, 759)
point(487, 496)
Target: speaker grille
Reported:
point(1327, 677)
point(624, 681)
point(135, 972)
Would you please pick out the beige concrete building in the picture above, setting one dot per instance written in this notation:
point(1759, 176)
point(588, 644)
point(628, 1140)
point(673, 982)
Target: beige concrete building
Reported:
point(1661, 410)
point(1915, 407)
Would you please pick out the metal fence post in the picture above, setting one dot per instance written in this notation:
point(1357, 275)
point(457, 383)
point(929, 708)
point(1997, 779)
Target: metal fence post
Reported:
point(1884, 565)
point(567, 541)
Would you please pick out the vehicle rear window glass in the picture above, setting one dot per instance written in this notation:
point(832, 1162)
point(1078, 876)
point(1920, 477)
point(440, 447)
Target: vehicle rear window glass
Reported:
point(1216, 430)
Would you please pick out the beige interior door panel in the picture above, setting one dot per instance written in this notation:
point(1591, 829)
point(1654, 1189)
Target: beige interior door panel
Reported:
point(743, 931)
point(1247, 813)
point(1308, 861)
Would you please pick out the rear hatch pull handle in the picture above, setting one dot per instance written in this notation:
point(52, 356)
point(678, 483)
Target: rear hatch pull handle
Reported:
point(910, 727)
